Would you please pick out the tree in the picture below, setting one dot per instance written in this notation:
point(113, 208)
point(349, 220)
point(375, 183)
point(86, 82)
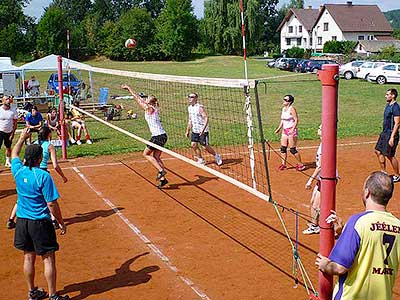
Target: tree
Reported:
point(51, 32)
point(177, 29)
point(16, 29)
point(75, 10)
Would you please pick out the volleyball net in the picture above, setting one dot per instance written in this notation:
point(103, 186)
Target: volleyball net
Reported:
point(242, 116)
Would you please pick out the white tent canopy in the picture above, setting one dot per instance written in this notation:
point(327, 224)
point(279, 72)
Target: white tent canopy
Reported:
point(50, 63)
point(8, 68)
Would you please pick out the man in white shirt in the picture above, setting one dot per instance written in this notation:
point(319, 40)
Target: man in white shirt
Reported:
point(8, 125)
point(33, 86)
point(198, 126)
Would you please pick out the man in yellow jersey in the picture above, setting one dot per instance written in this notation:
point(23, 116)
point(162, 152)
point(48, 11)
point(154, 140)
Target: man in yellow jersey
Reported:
point(367, 254)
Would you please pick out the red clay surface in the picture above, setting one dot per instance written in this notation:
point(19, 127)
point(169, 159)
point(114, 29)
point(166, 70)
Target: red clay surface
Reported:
point(206, 238)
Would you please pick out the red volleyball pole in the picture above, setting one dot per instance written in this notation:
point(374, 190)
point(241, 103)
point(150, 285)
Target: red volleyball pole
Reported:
point(61, 108)
point(329, 76)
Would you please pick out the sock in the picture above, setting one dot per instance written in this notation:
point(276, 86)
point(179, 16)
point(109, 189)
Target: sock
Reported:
point(78, 137)
point(87, 137)
point(7, 159)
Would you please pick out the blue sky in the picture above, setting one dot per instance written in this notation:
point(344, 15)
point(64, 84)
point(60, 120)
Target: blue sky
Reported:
point(36, 7)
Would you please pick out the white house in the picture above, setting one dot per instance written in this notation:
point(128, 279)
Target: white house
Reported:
point(348, 22)
point(311, 28)
point(296, 28)
point(374, 47)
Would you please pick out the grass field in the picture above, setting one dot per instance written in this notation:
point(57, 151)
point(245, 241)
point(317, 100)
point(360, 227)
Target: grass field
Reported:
point(360, 103)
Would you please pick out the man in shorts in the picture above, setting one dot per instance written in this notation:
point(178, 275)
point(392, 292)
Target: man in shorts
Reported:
point(8, 125)
point(198, 124)
point(34, 231)
point(389, 137)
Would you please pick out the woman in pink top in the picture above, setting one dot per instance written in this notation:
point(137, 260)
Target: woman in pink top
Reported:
point(288, 124)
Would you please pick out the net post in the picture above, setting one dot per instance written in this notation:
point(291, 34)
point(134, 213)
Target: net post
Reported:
point(249, 119)
point(260, 128)
point(61, 108)
point(329, 76)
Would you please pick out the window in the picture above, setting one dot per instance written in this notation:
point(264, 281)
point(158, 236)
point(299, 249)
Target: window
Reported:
point(290, 29)
point(300, 28)
point(334, 38)
point(398, 68)
point(299, 42)
point(319, 40)
point(304, 41)
point(370, 38)
point(389, 68)
point(287, 42)
point(359, 47)
point(360, 38)
point(310, 41)
point(326, 26)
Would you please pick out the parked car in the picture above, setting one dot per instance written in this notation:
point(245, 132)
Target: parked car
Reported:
point(387, 73)
point(301, 66)
point(271, 63)
point(52, 83)
point(366, 68)
point(316, 64)
point(349, 70)
point(289, 64)
point(277, 61)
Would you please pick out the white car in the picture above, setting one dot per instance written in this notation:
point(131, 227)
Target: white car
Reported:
point(366, 68)
point(390, 72)
point(349, 70)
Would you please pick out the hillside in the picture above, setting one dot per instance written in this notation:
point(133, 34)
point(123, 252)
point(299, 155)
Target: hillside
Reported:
point(393, 17)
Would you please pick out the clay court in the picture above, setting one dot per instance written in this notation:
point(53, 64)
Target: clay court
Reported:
point(199, 238)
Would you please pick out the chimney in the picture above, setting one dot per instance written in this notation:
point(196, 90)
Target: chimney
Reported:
point(309, 7)
point(349, 3)
point(321, 7)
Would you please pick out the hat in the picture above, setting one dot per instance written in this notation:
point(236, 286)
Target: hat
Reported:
point(33, 152)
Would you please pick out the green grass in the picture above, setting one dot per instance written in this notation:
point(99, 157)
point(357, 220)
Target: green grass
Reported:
point(360, 104)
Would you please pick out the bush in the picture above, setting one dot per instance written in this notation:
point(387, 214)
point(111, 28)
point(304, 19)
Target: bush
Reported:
point(343, 47)
point(295, 52)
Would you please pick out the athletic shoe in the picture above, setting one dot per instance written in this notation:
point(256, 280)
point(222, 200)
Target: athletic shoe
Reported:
point(282, 167)
point(162, 183)
point(396, 178)
point(78, 142)
point(7, 164)
point(37, 294)
point(161, 174)
point(218, 159)
point(89, 142)
point(312, 229)
point(300, 167)
point(72, 140)
point(58, 297)
point(11, 224)
point(201, 161)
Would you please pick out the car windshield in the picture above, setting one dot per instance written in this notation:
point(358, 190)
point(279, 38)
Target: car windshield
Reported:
point(65, 77)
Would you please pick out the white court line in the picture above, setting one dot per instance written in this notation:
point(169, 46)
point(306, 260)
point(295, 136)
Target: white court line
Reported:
point(145, 240)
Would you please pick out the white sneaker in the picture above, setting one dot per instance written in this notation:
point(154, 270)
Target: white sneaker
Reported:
point(7, 164)
point(218, 159)
point(72, 140)
point(89, 142)
point(201, 161)
point(78, 142)
point(396, 178)
point(312, 229)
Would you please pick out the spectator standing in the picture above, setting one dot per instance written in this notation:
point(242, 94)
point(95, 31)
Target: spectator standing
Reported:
point(389, 137)
point(34, 232)
point(8, 125)
point(367, 254)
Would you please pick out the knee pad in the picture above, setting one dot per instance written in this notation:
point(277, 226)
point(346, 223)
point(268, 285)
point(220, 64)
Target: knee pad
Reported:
point(293, 150)
point(283, 149)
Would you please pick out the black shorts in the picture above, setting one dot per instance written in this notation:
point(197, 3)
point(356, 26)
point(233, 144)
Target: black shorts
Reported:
point(202, 139)
point(37, 236)
point(5, 138)
point(383, 144)
point(159, 140)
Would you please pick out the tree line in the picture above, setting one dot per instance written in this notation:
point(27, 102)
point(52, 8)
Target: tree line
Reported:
point(163, 29)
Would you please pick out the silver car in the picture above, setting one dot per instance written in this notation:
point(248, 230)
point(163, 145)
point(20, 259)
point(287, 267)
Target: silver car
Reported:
point(349, 70)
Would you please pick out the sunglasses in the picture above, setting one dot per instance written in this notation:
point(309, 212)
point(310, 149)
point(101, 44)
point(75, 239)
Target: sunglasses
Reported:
point(191, 96)
point(286, 100)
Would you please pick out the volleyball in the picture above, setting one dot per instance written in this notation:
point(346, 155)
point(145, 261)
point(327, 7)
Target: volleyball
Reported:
point(130, 43)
